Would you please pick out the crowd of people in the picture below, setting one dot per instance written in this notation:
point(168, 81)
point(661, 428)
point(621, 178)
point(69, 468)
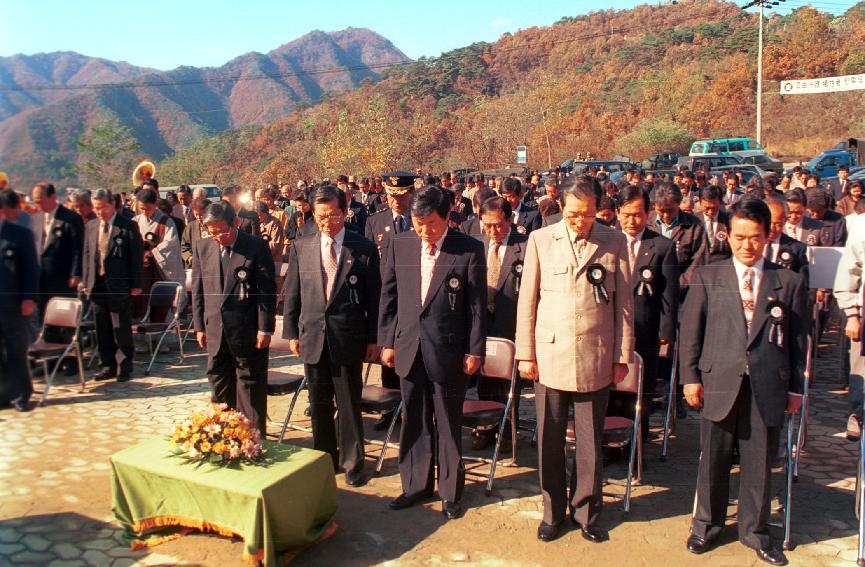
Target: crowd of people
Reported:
point(414, 272)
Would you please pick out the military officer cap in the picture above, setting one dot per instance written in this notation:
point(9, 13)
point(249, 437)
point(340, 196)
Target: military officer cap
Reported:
point(398, 183)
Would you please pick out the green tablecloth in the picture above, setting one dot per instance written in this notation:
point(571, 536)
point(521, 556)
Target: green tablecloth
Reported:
point(286, 503)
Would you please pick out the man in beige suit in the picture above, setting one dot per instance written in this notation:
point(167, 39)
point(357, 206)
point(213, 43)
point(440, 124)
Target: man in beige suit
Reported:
point(575, 337)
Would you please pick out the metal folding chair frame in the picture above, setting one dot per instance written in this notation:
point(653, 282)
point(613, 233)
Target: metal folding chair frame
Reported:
point(172, 325)
point(73, 345)
point(670, 415)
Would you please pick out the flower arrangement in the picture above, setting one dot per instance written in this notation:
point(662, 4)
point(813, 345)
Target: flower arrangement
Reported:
point(217, 434)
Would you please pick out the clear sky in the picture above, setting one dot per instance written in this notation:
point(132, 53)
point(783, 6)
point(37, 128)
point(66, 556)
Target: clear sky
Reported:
point(164, 34)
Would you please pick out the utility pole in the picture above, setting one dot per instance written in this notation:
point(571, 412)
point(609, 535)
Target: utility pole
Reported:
point(762, 4)
point(547, 136)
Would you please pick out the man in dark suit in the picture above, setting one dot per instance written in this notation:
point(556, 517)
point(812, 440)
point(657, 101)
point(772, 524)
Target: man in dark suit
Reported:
point(194, 231)
point(780, 248)
point(734, 193)
point(113, 259)
point(714, 223)
point(19, 286)
point(234, 312)
point(655, 278)
point(505, 252)
point(684, 229)
point(381, 228)
point(332, 292)
point(59, 235)
point(525, 218)
point(742, 357)
point(834, 231)
point(432, 330)
point(471, 225)
point(246, 221)
point(800, 226)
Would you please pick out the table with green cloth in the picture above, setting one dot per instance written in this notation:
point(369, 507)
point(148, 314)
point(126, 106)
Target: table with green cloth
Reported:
point(283, 504)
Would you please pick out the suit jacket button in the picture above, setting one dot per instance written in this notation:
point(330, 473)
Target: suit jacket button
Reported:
point(579, 339)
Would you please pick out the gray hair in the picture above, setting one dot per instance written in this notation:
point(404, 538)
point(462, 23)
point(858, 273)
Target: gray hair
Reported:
point(102, 195)
point(199, 193)
point(80, 196)
point(667, 194)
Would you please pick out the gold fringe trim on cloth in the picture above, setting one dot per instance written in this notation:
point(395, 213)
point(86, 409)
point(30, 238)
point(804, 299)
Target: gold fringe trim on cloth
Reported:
point(151, 524)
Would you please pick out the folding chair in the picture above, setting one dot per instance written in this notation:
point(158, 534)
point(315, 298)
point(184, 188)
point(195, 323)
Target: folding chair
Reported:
point(166, 297)
point(622, 431)
point(378, 399)
point(63, 313)
point(283, 383)
point(499, 364)
point(670, 414)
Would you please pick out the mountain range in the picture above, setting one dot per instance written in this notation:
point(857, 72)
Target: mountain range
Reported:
point(48, 100)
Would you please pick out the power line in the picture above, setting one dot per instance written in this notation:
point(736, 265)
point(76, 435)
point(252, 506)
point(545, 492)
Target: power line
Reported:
point(144, 83)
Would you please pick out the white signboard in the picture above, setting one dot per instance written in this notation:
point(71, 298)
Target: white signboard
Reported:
point(824, 265)
point(824, 85)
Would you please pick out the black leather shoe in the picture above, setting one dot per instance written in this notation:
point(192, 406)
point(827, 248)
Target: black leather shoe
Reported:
point(548, 532)
point(409, 500)
point(451, 510)
point(106, 374)
point(355, 479)
point(22, 406)
point(383, 422)
point(594, 534)
point(124, 377)
point(772, 555)
point(698, 545)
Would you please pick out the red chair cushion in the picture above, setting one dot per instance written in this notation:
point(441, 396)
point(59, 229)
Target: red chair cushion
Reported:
point(477, 413)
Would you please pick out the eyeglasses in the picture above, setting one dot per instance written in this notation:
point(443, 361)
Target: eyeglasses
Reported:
point(329, 217)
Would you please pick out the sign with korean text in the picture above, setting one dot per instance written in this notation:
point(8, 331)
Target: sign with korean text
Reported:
point(824, 85)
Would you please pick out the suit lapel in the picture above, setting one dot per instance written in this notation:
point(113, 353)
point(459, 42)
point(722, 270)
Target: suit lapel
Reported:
point(566, 249)
point(588, 253)
point(645, 256)
point(728, 293)
point(510, 257)
point(238, 258)
point(344, 262)
point(769, 286)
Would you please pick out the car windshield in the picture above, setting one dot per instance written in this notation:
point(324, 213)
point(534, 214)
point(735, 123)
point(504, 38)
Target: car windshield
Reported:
point(814, 162)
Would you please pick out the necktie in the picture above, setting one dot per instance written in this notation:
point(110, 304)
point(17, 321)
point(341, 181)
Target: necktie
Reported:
point(747, 293)
point(494, 267)
point(400, 224)
point(710, 231)
point(103, 247)
point(579, 246)
point(769, 251)
point(330, 265)
point(224, 261)
point(427, 265)
point(632, 251)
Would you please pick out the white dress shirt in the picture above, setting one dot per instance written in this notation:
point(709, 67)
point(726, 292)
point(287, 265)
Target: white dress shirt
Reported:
point(427, 264)
point(337, 243)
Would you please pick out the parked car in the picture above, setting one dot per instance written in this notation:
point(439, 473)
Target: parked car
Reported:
point(761, 159)
point(700, 162)
point(723, 146)
point(826, 164)
point(214, 193)
point(663, 160)
point(747, 171)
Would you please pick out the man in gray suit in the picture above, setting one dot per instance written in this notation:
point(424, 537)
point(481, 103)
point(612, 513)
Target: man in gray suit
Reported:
point(742, 358)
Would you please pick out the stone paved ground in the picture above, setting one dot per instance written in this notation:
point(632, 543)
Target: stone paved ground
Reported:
point(55, 496)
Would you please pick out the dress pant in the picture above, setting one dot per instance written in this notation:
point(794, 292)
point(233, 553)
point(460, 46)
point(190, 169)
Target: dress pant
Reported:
point(758, 445)
point(15, 382)
point(389, 379)
point(624, 403)
point(432, 422)
point(113, 320)
point(325, 381)
point(586, 498)
point(857, 379)
point(240, 382)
